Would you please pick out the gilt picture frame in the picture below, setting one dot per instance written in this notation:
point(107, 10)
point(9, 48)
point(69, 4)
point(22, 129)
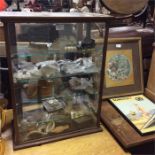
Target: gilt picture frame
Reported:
point(123, 68)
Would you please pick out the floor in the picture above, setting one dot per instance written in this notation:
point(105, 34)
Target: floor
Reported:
point(101, 143)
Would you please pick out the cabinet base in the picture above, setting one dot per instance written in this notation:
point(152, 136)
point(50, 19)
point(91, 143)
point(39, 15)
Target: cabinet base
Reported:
point(57, 138)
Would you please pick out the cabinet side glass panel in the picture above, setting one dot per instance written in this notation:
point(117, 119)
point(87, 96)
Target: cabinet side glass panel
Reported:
point(56, 74)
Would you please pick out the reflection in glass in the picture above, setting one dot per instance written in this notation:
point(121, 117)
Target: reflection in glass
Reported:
point(56, 80)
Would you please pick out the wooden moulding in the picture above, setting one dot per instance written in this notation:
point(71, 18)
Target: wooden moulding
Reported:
point(150, 89)
point(60, 17)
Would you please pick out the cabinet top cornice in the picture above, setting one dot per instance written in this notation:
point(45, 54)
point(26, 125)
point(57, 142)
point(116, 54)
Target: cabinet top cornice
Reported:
point(53, 17)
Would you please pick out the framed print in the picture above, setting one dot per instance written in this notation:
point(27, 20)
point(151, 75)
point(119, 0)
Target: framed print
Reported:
point(138, 110)
point(123, 68)
point(119, 68)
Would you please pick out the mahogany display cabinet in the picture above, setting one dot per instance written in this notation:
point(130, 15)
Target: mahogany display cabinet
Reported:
point(55, 70)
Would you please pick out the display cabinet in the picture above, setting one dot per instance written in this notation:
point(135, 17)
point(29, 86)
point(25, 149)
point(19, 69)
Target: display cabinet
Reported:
point(56, 74)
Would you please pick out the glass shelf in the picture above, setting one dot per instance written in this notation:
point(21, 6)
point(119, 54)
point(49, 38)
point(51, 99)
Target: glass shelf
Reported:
point(35, 80)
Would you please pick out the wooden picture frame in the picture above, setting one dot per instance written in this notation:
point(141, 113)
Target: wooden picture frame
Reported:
point(123, 68)
point(150, 89)
point(138, 110)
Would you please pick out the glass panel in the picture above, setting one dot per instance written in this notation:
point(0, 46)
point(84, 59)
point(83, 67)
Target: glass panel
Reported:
point(56, 74)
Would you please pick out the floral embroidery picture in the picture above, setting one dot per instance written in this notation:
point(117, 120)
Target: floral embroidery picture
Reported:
point(119, 68)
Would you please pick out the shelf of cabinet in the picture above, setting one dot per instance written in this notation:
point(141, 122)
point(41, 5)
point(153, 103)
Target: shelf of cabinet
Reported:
point(35, 80)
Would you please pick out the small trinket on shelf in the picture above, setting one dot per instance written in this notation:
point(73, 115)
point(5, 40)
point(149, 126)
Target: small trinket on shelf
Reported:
point(52, 104)
point(60, 129)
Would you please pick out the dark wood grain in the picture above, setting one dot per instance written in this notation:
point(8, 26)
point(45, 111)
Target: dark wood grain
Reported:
point(150, 90)
point(125, 6)
point(121, 129)
point(46, 17)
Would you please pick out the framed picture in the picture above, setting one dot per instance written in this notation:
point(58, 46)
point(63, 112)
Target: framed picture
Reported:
point(138, 110)
point(123, 68)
